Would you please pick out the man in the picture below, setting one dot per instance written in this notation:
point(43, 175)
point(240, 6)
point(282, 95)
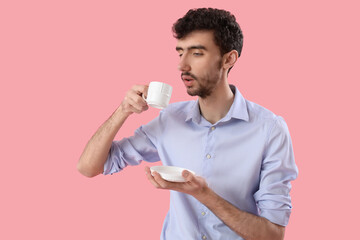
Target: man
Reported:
point(242, 153)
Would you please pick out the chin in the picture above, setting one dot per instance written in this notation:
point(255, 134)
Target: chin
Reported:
point(191, 92)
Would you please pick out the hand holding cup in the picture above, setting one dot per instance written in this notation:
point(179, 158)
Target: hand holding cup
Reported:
point(158, 95)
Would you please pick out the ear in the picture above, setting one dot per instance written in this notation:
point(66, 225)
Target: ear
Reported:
point(230, 58)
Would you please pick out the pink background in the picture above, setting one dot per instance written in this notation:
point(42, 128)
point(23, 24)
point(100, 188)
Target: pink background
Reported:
point(66, 65)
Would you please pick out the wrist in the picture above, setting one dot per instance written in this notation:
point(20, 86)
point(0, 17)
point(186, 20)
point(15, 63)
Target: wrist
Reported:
point(122, 112)
point(205, 194)
point(118, 117)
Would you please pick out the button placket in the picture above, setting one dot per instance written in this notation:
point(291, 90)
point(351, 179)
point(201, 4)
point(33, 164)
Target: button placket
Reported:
point(209, 155)
point(208, 151)
point(210, 142)
point(203, 221)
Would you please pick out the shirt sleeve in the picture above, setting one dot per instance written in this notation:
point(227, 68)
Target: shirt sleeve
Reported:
point(133, 150)
point(277, 171)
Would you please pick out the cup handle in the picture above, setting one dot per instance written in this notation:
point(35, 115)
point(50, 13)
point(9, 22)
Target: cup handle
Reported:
point(143, 96)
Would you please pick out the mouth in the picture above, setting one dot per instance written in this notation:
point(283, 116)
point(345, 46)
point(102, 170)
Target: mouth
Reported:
point(188, 78)
point(188, 83)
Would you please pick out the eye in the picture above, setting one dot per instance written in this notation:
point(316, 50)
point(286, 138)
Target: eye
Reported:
point(198, 54)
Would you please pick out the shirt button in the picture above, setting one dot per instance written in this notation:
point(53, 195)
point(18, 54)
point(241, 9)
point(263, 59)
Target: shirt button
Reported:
point(204, 237)
point(203, 213)
point(212, 128)
point(208, 156)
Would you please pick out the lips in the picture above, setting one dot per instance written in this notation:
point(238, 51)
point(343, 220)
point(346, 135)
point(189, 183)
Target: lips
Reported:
point(188, 79)
point(188, 82)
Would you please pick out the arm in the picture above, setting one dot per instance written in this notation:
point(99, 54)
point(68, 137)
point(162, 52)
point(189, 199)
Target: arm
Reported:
point(93, 158)
point(244, 224)
point(247, 225)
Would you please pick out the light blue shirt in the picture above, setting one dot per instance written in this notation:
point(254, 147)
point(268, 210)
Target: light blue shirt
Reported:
point(246, 158)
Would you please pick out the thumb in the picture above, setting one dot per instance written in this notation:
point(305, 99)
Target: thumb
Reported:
point(188, 176)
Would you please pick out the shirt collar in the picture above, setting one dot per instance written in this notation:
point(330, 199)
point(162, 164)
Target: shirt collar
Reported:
point(238, 109)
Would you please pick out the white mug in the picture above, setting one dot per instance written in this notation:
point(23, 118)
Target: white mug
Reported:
point(158, 95)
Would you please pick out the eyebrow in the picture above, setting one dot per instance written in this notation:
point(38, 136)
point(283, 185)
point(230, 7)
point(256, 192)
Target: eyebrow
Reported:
point(192, 47)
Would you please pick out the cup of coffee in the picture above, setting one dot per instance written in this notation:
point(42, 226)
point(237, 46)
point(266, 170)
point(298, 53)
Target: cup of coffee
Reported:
point(158, 95)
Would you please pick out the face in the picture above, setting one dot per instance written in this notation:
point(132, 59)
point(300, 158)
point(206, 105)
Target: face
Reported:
point(200, 63)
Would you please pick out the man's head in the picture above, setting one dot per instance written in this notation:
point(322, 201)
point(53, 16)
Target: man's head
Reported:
point(209, 43)
point(227, 32)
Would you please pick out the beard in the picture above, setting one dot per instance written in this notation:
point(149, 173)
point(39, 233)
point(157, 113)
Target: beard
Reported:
point(203, 90)
point(204, 86)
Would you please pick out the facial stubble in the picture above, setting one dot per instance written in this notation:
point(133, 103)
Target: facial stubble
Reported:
point(207, 85)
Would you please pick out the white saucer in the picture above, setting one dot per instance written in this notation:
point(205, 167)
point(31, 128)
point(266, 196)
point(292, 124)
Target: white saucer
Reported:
point(170, 173)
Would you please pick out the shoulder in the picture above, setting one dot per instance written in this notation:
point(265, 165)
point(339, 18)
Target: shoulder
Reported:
point(258, 113)
point(263, 116)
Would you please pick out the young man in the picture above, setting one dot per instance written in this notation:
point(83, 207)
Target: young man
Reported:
point(242, 151)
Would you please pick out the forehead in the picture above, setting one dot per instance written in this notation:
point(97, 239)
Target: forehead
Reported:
point(198, 38)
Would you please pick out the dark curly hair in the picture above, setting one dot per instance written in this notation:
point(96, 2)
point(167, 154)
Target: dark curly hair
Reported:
point(227, 32)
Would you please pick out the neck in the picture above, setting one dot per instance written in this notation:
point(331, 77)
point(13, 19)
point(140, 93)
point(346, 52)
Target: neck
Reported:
point(216, 106)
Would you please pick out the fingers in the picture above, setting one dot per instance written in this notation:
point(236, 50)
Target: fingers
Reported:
point(157, 180)
point(140, 89)
point(161, 182)
point(133, 101)
point(151, 178)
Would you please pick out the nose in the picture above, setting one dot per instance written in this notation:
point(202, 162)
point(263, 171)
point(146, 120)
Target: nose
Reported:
point(184, 65)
